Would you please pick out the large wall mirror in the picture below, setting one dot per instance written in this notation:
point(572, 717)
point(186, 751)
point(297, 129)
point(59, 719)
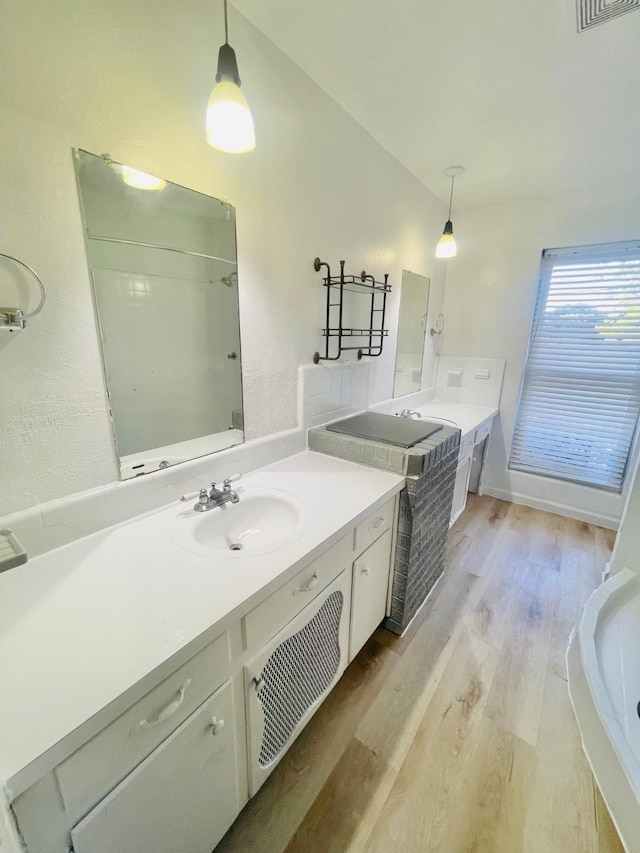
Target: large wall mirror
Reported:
point(165, 287)
point(412, 328)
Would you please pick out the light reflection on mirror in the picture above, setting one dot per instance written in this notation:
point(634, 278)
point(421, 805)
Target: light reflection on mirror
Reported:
point(165, 289)
point(412, 326)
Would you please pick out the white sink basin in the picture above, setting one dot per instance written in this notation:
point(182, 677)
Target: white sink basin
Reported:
point(262, 521)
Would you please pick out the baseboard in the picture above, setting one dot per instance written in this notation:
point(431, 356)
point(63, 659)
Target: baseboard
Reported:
point(552, 506)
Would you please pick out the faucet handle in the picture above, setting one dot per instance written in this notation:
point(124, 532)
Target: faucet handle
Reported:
point(229, 480)
point(203, 497)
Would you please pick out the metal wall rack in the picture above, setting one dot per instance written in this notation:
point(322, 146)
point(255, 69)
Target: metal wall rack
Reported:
point(373, 336)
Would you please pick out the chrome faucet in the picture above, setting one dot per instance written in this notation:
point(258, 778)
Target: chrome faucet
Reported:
point(214, 497)
point(410, 413)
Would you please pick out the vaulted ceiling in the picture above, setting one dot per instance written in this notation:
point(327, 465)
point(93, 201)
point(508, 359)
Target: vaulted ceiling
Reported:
point(507, 88)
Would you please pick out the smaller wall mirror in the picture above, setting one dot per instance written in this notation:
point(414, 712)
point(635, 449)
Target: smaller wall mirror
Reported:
point(163, 267)
point(412, 327)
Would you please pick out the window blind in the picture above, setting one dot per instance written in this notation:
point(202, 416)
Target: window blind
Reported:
point(580, 395)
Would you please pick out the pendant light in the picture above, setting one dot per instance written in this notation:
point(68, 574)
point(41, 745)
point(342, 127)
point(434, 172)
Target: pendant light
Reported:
point(229, 122)
point(446, 247)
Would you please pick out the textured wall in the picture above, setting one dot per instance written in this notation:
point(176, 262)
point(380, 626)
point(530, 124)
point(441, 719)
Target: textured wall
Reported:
point(133, 80)
point(491, 289)
point(626, 553)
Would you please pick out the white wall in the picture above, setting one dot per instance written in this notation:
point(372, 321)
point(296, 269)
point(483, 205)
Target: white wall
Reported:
point(491, 287)
point(133, 80)
point(626, 553)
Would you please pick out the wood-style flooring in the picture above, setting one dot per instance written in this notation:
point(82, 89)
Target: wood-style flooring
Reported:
point(458, 736)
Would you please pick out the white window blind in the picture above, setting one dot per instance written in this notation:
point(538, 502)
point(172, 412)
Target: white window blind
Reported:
point(580, 394)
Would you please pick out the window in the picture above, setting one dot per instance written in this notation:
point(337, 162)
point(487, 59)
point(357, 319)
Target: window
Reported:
point(580, 395)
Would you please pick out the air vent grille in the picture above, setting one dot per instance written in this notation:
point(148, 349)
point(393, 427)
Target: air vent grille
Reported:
point(594, 12)
point(296, 674)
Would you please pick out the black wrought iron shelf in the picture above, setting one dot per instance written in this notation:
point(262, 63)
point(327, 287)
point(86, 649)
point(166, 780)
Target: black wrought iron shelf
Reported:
point(374, 335)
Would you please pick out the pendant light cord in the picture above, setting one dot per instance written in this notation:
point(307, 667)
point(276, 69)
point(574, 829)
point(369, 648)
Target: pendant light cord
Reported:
point(453, 177)
point(226, 24)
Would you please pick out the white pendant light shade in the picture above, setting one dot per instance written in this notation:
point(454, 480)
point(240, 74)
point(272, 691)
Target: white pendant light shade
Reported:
point(141, 180)
point(229, 121)
point(446, 247)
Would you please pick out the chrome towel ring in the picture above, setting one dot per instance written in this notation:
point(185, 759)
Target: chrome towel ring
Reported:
point(15, 318)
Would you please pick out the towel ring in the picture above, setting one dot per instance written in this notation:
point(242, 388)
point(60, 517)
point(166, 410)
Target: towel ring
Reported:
point(438, 326)
point(16, 318)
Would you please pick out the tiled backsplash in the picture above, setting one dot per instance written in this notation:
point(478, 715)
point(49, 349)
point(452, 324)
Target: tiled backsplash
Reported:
point(51, 525)
point(327, 392)
point(330, 391)
point(469, 380)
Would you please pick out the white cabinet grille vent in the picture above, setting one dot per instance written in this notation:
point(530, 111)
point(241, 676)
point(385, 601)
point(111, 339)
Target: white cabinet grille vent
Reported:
point(296, 674)
point(594, 12)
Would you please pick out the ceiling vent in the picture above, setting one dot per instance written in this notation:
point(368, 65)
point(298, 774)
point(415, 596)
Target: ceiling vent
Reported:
point(594, 12)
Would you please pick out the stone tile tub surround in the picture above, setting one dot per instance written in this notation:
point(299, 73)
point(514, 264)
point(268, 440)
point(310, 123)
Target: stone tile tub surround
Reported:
point(425, 508)
point(51, 525)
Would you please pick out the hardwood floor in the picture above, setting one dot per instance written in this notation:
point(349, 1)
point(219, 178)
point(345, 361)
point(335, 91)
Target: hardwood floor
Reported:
point(458, 736)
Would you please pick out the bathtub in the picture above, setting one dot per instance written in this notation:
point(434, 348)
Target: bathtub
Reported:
point(603, 667)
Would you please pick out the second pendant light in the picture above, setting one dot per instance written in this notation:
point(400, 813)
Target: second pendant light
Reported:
point(446, 247)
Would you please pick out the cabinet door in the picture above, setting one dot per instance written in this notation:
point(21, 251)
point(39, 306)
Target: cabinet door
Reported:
point(460, 489)
point(290, 677)
point(371, 574)
point(183, 797)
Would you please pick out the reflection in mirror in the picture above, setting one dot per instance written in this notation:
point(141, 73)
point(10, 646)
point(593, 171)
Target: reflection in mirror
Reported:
point(412, 325)
point(165, 288)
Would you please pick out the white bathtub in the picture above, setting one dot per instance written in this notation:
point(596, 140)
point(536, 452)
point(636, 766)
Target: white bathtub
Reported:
point(603, 665)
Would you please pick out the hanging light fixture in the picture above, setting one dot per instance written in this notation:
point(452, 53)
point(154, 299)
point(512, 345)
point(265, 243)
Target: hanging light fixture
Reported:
point(229, 122)
point(446, 247)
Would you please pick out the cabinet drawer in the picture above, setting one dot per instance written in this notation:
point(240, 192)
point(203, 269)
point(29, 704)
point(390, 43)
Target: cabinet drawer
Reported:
point(183, 797)
point(373, 526)
point(369, 596)
point(97, 766)
point(264, 621)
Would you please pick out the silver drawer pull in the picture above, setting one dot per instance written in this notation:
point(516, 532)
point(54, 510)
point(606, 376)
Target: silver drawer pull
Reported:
point(168, 711)
point(309, 585)
point(365, 571)
point(257, 683)
point(377, 522)
point(217, 724)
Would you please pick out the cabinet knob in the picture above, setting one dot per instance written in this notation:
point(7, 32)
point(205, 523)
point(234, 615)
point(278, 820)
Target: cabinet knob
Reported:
point(365, 571)
point(257, 683)
point(217, 724)
point(377, 522)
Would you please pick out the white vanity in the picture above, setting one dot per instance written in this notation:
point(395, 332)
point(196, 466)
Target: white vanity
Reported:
point(475, 423)
point(152, 678)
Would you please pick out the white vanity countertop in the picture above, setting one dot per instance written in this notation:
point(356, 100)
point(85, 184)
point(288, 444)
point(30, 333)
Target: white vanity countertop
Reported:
point(467, 416)
point(81, 625)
